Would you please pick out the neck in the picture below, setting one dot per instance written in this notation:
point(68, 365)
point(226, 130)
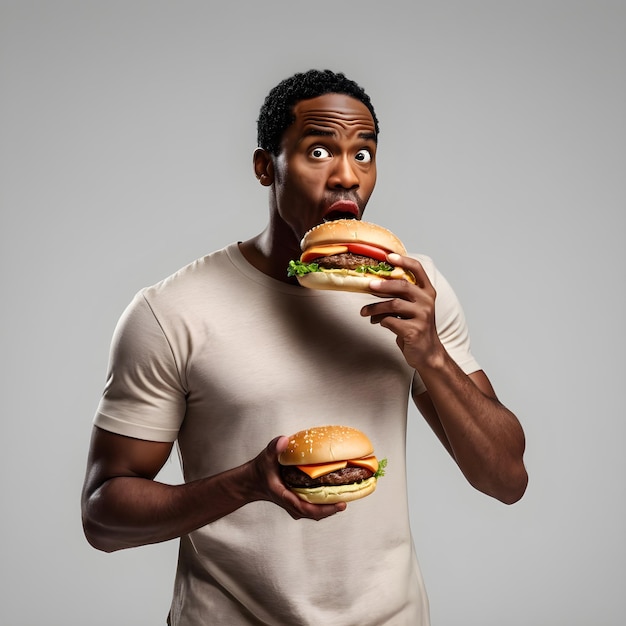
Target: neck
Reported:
point(269, 253)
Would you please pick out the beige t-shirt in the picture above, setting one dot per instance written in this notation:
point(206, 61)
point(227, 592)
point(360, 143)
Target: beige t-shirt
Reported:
point(222, 358)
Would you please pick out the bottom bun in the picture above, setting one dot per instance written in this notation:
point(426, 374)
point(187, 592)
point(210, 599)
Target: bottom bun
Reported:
point(346, 280)
point(337, 281)
point(329, 494)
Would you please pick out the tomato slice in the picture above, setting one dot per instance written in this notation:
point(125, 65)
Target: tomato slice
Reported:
point(365, 249)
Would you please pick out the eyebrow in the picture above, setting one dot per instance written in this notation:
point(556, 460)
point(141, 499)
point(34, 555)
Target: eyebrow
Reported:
point(369, 135)
point(317, 132)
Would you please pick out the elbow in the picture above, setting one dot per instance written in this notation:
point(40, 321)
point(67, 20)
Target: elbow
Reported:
point(513, 496)
point(507, 486)
point(99, 535)
point(514, 489)
point(98, 528)
point(100, 545)
point(512, 475)
point(95, 536)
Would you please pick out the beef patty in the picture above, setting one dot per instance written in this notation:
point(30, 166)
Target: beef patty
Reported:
point(295, 477)
point(346, 260)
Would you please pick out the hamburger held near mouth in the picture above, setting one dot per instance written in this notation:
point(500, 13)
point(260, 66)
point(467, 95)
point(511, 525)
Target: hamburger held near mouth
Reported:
point(328, 464)
point(345, 255)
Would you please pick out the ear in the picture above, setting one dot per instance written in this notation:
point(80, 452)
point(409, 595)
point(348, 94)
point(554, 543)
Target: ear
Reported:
point(263, 166)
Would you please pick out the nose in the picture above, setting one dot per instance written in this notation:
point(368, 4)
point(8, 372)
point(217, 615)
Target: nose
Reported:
point(344, 174)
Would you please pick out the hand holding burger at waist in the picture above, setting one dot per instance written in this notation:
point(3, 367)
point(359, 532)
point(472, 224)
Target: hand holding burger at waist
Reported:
point(313, 473)
point(329, 464)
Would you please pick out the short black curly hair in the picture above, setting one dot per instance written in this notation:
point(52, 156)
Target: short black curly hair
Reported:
point(276, 114)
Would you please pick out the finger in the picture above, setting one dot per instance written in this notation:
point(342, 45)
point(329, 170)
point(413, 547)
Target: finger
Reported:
point(399, 305)
point(279, 444)
point(388, 318)
point(322, 511)
point(394, 288)
point(298, 508)
point(390, 287)
point(411, 264)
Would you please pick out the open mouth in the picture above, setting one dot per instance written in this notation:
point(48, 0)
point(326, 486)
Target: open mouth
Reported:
point(339, 215)
point(342, 210)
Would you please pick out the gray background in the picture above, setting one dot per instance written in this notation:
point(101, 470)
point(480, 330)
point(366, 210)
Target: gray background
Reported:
point(127, 130)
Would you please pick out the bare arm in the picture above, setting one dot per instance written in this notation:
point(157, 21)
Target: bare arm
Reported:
point(483, 436)
point(123, 506)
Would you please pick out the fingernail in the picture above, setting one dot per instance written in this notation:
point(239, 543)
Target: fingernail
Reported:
point(376, 283)
point(392, 256)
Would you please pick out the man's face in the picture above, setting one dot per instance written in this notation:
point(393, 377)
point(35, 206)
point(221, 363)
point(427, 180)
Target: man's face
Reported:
point(327, 165)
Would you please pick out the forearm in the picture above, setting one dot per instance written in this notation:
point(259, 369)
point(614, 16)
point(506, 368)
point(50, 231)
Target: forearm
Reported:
point(123, 506)
point(483, 436)
point(129, 511)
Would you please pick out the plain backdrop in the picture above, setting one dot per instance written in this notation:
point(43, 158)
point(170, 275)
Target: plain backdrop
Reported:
point(126, 137)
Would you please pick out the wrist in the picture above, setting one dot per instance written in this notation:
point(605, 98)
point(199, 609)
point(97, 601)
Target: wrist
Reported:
point(435, 360)
point(247, 483)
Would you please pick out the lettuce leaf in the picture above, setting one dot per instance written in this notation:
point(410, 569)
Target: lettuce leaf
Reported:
point(298, 268)
point(381, 268)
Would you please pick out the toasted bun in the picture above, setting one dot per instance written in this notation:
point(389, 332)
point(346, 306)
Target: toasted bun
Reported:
point(337, 281)
point(328, 494)
point(323, 444)
point(346, 231)
point(347, 280)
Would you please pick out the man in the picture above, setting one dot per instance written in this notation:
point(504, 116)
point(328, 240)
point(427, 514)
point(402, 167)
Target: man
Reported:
point(229, 353)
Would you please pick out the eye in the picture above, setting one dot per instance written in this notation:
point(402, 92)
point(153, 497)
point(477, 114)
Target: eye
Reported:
point(364, 156)
point(320, 153)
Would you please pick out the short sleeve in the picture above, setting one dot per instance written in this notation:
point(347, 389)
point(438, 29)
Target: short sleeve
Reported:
point(143, 396)
point(451, 324)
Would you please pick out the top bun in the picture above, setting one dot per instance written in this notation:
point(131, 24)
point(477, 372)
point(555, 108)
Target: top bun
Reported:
point(323, 444)
point(346, 231)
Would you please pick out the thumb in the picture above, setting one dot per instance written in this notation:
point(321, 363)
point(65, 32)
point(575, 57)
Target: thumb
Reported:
point(278, 444)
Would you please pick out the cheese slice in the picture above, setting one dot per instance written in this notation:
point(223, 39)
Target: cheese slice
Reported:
point(318, 251)
point(368, 462)
point(315, 471)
